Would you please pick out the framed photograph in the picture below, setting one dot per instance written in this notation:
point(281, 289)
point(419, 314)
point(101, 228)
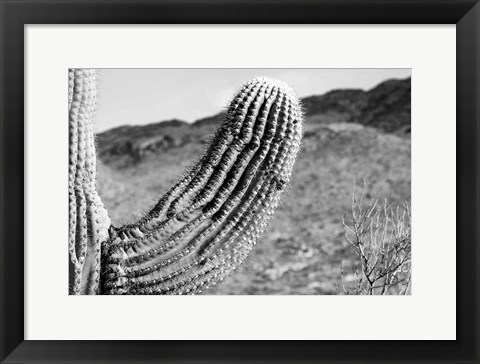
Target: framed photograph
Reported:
point(239, 181)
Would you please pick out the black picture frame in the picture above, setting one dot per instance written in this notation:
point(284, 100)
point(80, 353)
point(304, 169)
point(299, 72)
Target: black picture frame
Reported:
point(15, 14)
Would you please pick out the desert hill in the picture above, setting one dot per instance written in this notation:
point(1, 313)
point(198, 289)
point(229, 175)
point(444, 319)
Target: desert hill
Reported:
point(385, 107)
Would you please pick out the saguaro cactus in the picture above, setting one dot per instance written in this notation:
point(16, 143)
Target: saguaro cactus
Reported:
point(207, 223)
point(89, 220)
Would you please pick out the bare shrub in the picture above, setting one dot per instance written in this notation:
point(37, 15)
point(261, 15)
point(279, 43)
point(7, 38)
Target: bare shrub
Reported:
point(380, 236)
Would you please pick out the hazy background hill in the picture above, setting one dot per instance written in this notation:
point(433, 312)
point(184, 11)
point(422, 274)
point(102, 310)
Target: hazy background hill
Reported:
point(348, 135)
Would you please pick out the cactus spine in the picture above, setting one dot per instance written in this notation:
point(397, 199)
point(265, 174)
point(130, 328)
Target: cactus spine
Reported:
point(208, 222)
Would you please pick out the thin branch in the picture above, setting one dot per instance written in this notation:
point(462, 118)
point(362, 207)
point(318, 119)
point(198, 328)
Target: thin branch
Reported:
point(380, 235)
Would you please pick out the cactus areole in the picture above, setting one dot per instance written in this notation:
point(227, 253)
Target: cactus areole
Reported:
point(204, 227)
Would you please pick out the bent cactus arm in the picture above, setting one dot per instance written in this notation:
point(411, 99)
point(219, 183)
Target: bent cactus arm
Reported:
point(208, 222)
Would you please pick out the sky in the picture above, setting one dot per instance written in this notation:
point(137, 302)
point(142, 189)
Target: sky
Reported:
point(144, 96)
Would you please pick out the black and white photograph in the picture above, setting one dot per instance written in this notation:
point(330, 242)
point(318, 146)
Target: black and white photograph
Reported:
point(239, 181)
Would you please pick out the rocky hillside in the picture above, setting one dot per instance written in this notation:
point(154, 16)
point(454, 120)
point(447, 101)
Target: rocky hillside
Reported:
point(386, 106)
point(350, 135)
